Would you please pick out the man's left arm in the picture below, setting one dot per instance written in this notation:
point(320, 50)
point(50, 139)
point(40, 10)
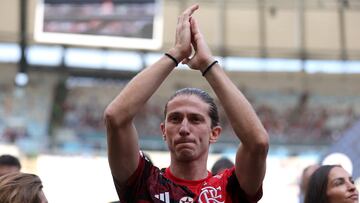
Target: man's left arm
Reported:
point(250, 164)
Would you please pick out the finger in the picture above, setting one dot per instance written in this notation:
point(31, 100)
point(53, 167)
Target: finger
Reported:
point(189, 11)
point(179, 23)
point(180, 19)
point(194, 26)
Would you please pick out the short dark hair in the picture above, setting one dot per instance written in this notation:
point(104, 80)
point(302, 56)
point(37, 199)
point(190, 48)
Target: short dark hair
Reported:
point(317, 187)
point(220, 164)
point(9, 160)
point(204, 96)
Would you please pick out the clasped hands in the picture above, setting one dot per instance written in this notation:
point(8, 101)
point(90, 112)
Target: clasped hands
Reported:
point(190, 46)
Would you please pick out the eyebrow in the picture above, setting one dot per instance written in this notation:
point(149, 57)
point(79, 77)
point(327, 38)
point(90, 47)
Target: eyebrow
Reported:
point(180, 113)
point(175, 113)
point(341, 178)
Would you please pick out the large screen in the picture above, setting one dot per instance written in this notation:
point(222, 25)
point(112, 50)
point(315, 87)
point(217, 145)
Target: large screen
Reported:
point(133, 24)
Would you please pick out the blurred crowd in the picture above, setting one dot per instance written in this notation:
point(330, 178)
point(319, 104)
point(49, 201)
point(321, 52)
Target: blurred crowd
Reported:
point(75, 118)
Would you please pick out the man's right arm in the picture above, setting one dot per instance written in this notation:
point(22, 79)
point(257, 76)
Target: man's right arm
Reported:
point(122, 138)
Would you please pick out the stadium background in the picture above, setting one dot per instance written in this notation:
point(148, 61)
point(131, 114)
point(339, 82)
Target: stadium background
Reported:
point(297, 62)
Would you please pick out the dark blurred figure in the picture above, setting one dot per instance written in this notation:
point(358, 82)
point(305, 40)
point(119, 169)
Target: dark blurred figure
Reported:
point(304, 180)
point(331, 184)
point(21, 188)
point(221, 164)
point(9, 164)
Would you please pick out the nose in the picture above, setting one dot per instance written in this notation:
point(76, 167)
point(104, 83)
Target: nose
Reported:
point(351, 187)
point(184, 128)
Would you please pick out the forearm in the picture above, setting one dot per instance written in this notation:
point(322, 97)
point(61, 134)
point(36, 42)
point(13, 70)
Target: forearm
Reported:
point(239, 111)
point(251, 156)
point(122, 138)
point(250, 161)
point(139, 90)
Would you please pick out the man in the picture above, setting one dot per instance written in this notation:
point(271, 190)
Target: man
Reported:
point(190, 126)
point(9, 164)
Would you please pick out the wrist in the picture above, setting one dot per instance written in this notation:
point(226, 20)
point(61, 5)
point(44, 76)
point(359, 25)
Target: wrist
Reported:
point(176, 54)
point(176, 63)
point(209, 67)
point(206, 63)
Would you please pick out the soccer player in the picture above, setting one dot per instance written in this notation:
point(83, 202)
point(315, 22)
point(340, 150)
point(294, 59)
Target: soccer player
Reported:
point(191, 124)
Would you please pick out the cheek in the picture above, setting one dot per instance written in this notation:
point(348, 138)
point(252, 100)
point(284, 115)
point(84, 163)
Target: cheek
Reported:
point(170, 134)
point(204, 135)
point(336, 194)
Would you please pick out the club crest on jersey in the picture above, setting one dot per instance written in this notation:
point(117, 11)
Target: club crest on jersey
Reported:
point(186, 200)
point(211, 195)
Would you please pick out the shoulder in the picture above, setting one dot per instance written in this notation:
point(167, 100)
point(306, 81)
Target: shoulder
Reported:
point(233, 189)
point(148, 184)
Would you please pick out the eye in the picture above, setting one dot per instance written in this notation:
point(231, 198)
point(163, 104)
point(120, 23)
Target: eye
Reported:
point(174, 118)
point(339, 181)
point(196, 119)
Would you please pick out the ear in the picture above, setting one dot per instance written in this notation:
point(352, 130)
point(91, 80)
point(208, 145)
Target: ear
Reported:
point(215, 134)
point(162, 127)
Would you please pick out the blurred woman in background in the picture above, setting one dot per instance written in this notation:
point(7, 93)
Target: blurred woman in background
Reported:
point(331, 184)
point(21, 188)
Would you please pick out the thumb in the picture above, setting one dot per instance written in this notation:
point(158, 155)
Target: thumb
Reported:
point(186, 61)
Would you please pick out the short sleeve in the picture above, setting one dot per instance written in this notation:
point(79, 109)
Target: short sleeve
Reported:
point(136, 184)
point(236, 193)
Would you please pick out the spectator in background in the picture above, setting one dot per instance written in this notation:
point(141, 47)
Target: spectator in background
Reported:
point(304, 180)
point(221, 164)
point(9, 164)
point(21, 188)
point(331, 184)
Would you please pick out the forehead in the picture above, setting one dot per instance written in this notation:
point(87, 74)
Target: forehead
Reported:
point(338, 172)
point(190, 103)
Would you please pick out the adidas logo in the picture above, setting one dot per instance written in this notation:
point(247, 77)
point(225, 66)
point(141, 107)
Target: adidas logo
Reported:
point(165, 197)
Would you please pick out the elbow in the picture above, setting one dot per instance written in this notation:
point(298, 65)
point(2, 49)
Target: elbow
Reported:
point(109, 118)
point(109, 115)
point(114, 117)
point(261, 144)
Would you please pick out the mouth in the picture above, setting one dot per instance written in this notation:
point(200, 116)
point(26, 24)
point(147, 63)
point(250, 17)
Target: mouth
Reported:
point(184, 144)
point(183, 141)
point(354, 197)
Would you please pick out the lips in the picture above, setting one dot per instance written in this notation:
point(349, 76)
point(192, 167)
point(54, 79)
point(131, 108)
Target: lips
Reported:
point(354, 197)
point(184, 141)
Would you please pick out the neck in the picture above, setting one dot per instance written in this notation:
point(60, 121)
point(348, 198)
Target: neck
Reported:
point(189, 170)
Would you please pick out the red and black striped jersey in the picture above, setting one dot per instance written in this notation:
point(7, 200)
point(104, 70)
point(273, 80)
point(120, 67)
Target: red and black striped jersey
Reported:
point(150, 184)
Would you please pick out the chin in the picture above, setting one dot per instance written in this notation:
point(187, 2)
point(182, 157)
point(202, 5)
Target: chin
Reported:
point(186, 155)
